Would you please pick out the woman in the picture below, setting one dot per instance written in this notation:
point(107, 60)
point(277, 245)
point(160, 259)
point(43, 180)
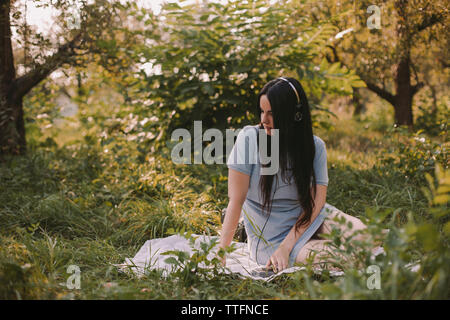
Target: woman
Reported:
point(283, 213)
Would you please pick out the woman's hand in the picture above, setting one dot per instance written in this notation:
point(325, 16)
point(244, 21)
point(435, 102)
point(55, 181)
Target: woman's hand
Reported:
point(221, 255)
point(279, 259)
point(223, 260)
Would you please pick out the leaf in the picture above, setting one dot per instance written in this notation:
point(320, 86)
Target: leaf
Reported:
point(171, 260)
point(170, 6)
point(441, 199)
point(358, 84)
point(446, 228)
point(428, 235)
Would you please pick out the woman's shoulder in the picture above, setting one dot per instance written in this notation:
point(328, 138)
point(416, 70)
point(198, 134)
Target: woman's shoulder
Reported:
point(318, 140)
point(249, 131)
point(246, 135)
point(250, 127)
point(319, 143)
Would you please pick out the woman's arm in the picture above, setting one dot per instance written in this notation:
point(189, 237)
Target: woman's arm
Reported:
point(281, 255)
point(238, 184)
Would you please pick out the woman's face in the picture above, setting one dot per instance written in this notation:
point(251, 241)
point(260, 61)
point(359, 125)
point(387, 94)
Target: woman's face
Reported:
point(266, 114)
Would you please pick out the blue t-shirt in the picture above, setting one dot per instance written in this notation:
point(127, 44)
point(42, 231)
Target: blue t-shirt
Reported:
point(264, 232)
point(244, 155)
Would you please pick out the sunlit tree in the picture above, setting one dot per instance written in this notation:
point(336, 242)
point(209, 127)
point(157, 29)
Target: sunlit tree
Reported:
point(393, 46)
point(83, 32)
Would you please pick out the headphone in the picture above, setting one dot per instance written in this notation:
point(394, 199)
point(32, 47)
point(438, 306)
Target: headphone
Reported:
point(298, 115)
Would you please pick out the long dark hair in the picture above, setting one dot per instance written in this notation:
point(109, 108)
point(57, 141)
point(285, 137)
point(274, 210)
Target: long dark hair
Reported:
point(296, 144)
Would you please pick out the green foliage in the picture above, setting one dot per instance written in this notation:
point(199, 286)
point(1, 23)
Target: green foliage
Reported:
point(80, 205)
point(416, 260)
point(415, 154)
point(433, 123)
point(92, 190)
point(203, 265)
point(14, 280)
point(211, 60)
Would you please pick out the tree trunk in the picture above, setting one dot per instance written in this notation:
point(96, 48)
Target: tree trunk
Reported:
point(434, 108)
point(403, 111)
point(402, 101)
point(356, 101)
point(404, 94)
point(12, 128)
point(12, 89)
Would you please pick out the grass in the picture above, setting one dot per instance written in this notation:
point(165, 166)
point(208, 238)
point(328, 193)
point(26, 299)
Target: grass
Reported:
point(77, 204)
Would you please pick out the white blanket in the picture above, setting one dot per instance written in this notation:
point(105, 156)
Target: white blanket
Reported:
point(150, 257)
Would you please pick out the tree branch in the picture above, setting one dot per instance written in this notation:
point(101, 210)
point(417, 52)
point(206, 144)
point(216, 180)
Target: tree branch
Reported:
point(428, 21)
point(444, 63)
point(417, 87)
point(335, 57)
point(383, 93)
point(25, 83)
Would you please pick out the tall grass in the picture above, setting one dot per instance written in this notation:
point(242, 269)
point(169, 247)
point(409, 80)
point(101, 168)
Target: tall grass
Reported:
point(92, 204)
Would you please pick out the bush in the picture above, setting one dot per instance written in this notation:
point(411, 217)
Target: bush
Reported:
point(414, 155)
point(416, 263)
